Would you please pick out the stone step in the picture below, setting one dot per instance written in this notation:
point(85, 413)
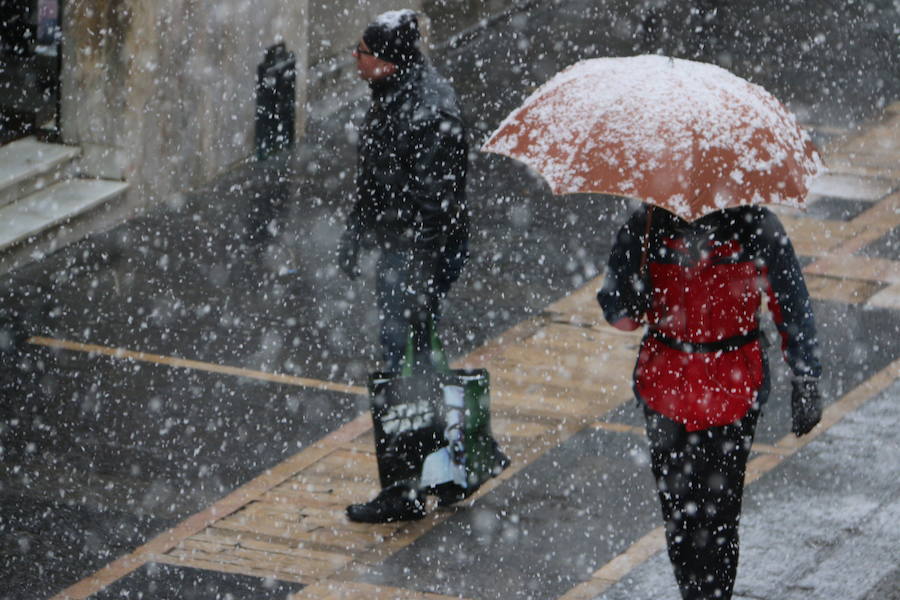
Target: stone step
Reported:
point(28, 165)
point(52, 206)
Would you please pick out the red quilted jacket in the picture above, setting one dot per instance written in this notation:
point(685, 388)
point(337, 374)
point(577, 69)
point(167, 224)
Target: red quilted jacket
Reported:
point(701, 362)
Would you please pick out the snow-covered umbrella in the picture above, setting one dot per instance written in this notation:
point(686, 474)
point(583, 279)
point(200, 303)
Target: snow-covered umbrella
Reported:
point(686, 136)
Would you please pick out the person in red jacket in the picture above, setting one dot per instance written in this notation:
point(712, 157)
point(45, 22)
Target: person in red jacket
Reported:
point(701, 372)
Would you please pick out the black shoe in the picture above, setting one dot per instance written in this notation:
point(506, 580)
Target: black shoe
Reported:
point(450, 493)
point(392, 504)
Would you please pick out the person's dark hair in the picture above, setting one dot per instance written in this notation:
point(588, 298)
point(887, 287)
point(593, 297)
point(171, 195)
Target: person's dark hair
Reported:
point(394, 36)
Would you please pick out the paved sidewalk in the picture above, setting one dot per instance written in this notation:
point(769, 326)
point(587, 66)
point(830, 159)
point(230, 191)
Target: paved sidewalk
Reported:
point(824, 525)
point(575, 516)
point(187, 415)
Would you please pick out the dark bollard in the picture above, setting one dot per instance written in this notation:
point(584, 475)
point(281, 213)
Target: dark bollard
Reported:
point(275, 93)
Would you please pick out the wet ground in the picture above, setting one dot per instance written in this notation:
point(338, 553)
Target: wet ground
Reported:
point(101, 454)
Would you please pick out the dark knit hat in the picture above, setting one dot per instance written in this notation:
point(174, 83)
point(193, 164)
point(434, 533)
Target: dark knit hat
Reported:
point(394, 36)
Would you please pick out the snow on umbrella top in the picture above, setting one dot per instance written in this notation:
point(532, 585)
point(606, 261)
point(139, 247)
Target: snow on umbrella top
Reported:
point(687, 136)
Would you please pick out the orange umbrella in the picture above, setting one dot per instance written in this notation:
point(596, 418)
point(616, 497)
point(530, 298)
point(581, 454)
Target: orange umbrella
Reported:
point(686, 136)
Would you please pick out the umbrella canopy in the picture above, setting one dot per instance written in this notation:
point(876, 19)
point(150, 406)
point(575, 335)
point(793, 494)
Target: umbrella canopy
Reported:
point(686, 136)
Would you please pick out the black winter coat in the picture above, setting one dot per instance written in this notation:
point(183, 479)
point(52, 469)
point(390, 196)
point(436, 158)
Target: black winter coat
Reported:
point(411, 169)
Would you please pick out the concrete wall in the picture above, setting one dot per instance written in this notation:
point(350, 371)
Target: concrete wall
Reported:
point(450, 17)
point(162, 93)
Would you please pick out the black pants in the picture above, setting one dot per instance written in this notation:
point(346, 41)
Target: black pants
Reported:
point(700, 479)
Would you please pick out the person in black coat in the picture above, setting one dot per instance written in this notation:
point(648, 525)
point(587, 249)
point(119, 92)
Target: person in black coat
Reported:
point(410, 185)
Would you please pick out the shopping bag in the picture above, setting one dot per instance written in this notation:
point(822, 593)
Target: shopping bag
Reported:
point(407, 423)
point(432, 425)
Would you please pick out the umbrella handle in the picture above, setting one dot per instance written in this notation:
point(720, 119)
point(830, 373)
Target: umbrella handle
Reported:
point(642, 271)
point(645, 250)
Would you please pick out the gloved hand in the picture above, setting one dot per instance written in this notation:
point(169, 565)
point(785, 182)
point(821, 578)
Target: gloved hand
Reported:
point(348, 253)
point(806, 405)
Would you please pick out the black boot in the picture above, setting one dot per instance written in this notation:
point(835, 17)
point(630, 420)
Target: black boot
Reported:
point(450, 493)
point(392, 504)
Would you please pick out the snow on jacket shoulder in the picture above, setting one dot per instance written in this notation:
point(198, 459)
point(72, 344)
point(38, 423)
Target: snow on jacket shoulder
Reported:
point(701, 362)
